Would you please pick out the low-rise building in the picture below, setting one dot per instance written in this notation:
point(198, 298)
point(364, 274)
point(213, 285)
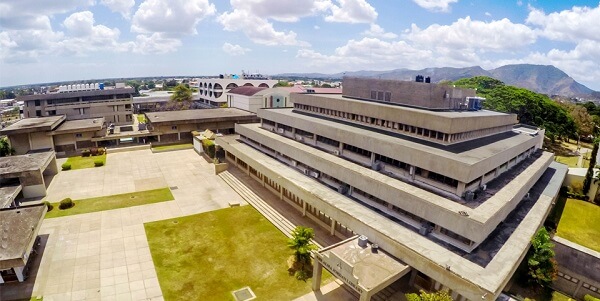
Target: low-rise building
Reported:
point(253, 98)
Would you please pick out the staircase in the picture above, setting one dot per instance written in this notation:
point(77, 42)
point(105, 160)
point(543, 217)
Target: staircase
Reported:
point(282, 223)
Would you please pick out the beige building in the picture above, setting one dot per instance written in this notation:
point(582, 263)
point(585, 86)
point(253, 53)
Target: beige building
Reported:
point(453, 193)
point(114, 105)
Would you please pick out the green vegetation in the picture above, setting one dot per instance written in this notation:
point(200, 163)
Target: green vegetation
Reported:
point(556, 296)
point(209, 255)
point(209, 147)
point(66, 204)
point(81, 162)
point(114, 202)
point(5, 149)
point(541, 265)
point(172, 147)
point(300, 264)
point(98, 162)
point(282, 83)
point(531, 108)
point(570, 161)
point(590, 298)
point(48, 205)
point(66, 166)
point(580, 224)
point(141, 118)
point(589, 176)
point(425, 296)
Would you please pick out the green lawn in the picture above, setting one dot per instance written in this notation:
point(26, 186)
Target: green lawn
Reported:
point(570, 161)
point(113, 202)
point(207, 256)
point(163, 148)
point(80, 162)
point(556, 296)
point(580, 223)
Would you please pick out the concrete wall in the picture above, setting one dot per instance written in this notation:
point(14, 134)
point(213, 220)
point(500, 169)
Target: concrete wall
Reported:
point(410, 93)
point(40, 140)
point(113, 110)
point(579, 269)
point(20, 142)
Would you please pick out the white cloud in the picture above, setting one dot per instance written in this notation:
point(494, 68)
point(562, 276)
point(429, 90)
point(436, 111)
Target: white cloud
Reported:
point(257, 29)
point(378, 32)
point(234, 50)
point(283, 11)
point(576, 24)
point(435, 5)
point(120, 6)
point(487, 13)
point(155, 43)
point(174, 17)
point(352, 11)
point(465, 33)
point(85, 37)
point(317, 27)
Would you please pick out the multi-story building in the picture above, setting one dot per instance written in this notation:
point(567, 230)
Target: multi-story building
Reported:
point(254, 98)
point(114, 105)
point(450, 191)
point(212, 90)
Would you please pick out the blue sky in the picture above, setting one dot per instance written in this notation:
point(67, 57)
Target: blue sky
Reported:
point(56, 40)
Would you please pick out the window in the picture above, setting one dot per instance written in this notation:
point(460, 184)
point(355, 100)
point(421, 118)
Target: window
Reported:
point(127, 106)
point(174, 127)
point(52, 113)
point(37, 102)
point(379, 95)
point(373, 94)
point(78, 135)
point(38, 113)
point(49, 101)
point(388, 96)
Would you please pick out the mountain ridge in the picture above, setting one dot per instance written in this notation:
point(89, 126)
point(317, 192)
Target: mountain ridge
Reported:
point(545, 79)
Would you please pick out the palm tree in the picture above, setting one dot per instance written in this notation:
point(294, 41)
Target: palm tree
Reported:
point(301, 244)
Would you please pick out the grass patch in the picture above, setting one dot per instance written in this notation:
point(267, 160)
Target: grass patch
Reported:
point(570, 161)
point(207, 256)
point(163, 148)
point(80, 162)
point(556, 296)
point(113, 202)
point(580, 224)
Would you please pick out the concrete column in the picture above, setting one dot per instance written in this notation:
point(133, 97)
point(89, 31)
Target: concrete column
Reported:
point(316, 278)
point(412, 172)
point(365, 296)
point(578, 287)
point(158, 138)
point(461, 188)
point(303, 208)
point(263, 179)
point(332, 230)
point(280, 192)
point(341, 148)
point(372, 158)
point(178, 136)
point(19, 273)
point(413, 277)
point(52, 168)
point(33, 184)
point(481, 180)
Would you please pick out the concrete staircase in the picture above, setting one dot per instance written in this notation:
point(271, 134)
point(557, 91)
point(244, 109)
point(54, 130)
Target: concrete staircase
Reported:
point(282, 223)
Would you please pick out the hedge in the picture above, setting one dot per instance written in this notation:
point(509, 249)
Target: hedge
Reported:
point(209, 147)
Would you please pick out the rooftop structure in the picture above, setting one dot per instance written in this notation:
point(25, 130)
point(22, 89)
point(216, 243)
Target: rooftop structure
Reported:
point(443, 190)
point(23, 225)
point(254, 98)
point(28, 171)
point(212, 90)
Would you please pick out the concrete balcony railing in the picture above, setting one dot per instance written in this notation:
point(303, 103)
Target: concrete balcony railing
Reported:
point(356, 158)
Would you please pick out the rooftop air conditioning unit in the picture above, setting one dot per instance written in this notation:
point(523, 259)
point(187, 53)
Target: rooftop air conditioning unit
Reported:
point(307, 172)
point(469, 196)
point(300, 138)
point(314, 174)
point(376, 166)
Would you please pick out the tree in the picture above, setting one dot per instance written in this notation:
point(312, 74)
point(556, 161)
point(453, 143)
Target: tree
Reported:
point(300, 263)
point(425, 296)
point(151, 85)
point(282, 83)
point(181, 99)
point(542, 268)
point(5, 149)
point(326, 86)
point(587, 182)
point(583, 120)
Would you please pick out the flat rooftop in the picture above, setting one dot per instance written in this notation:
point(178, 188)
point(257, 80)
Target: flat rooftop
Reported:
point(76, 94)
point(79, 125)
point(8, 194)
point(30, 125)
point(22, 225)
point(371, 267)
point(12, 166)
point(197, 115)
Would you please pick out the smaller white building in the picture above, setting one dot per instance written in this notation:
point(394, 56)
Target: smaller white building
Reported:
point(253, 98)
point(212, 90)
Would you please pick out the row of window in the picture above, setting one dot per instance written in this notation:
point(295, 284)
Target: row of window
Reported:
point(381, 95)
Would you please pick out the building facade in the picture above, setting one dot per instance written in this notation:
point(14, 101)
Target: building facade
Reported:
point(254, 98)
point(443, 190)
point(212, 91)
point(114, 105)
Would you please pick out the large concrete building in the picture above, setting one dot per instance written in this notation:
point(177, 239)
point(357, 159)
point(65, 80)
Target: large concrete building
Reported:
point(253, 98)
point(114, 105)
point(452, 192)
point(213, 90)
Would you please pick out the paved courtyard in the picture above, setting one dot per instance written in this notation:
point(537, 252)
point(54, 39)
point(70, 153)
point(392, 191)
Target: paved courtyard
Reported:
point(105, 255)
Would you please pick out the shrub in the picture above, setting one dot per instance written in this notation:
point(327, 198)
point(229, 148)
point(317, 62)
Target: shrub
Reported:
point(98, 163)
point(209, 147)
point(85, 153)
point(66, 204)
point(94, 151)
point(66, 166)
point(48, 205)
point(101, 151)
point(590, 298)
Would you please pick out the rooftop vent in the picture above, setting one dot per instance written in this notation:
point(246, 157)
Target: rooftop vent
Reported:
point(362, 241)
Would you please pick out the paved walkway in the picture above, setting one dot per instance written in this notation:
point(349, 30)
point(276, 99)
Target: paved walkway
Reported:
point(105, 255)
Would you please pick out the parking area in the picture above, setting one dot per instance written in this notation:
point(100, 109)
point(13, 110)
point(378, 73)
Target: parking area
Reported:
point(105, 255)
